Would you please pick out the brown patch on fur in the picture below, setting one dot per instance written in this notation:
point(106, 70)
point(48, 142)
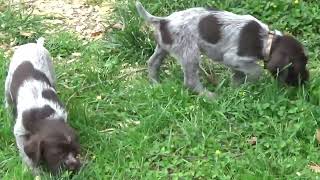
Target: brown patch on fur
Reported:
point(50, 140)
point(250, 43)
point(32, 118)
point(287, 51)
point(24, 72)
point(209, 29)
point(165, 34)
point(32, 148)
point(52, 96)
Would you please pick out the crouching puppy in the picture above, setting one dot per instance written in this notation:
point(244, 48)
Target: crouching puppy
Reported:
point(237, 41)
point(41, 130)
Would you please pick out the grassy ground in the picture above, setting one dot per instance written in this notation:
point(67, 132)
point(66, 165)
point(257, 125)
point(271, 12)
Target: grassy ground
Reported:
point(130, 129)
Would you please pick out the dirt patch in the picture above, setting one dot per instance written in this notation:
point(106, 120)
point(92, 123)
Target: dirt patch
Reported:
point(89, 21)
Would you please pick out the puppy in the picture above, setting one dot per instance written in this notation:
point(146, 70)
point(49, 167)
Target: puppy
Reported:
point(41, 130)
point(237, 41)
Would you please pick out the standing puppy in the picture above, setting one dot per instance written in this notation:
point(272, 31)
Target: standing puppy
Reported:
point(41, 129)
point(237, 41)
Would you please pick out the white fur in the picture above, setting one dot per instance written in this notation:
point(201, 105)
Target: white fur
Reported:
point(188, 45)
point(30, 92)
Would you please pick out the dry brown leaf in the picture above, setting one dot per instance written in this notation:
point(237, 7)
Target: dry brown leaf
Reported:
point(27, 34)
point(253, 140)
point(97, 33)
point(314, 167)
point(318, 135)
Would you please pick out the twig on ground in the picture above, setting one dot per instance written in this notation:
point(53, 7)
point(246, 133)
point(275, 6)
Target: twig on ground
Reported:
point(130, 73)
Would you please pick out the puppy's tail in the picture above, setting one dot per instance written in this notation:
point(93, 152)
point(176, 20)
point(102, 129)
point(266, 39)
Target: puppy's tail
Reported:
point(40, 41)
point(146, 15)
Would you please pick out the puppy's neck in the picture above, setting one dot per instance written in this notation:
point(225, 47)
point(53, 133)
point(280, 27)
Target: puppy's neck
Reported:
point(272, 38)
point(45, 126)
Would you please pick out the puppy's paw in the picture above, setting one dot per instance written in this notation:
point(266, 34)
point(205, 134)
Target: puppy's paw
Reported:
point(209, 95)
point(154, 81)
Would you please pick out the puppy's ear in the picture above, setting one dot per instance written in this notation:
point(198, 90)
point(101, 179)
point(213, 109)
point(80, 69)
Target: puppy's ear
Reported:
point(33, 148)
point(32, 117)
point(277, 62)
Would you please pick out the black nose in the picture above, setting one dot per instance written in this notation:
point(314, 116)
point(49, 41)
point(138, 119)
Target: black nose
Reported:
point(74, 166)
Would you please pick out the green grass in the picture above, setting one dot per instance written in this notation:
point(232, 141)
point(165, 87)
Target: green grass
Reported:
point(130, 129)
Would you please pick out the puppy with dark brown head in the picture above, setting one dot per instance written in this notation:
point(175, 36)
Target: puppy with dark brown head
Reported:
point(41, 129)
point(288, 61)
point(237, 41)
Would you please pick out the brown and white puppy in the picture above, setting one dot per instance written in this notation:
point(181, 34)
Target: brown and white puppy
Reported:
point(237, 41)
point(41, 129)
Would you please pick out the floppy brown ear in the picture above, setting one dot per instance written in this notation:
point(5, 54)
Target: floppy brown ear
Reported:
point(277, 62)
point(33, 148)
point(32, 117)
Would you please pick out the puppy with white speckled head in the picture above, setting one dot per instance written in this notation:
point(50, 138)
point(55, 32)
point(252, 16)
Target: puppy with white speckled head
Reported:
point(237, 41)
point(41, 130)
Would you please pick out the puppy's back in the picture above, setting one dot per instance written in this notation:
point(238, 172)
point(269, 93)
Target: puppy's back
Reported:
point(37, 55)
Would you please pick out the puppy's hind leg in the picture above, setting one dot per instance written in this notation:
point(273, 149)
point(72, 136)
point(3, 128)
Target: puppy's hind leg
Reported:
point(155, 62)
point(190, 65)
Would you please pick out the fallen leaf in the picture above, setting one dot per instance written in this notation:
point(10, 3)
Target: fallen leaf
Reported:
point(76, 54)
point(315, 168)
point(97, 33)
point(27, 34)
point(117, 26)
point(253, 140)
point(318, 135)
point(54, 21)
point(107, 130)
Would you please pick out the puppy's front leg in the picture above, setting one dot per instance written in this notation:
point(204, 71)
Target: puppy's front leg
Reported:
point(191, 77)
point(155, 62)
point(244, 68)
point(251, 69)
point(20, 140)
point(238, 78)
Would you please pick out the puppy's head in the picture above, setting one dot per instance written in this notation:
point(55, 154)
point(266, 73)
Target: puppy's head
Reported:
point(53, 142)
point(288, 61)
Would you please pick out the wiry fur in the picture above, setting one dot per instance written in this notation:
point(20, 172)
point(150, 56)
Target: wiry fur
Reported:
point(237, 41)
point(31, 76)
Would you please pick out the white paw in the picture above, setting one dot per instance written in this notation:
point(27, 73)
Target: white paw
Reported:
point(154, 81)
point(208, 94)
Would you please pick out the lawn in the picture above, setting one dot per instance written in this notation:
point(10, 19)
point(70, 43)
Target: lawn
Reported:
point(130, 129)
